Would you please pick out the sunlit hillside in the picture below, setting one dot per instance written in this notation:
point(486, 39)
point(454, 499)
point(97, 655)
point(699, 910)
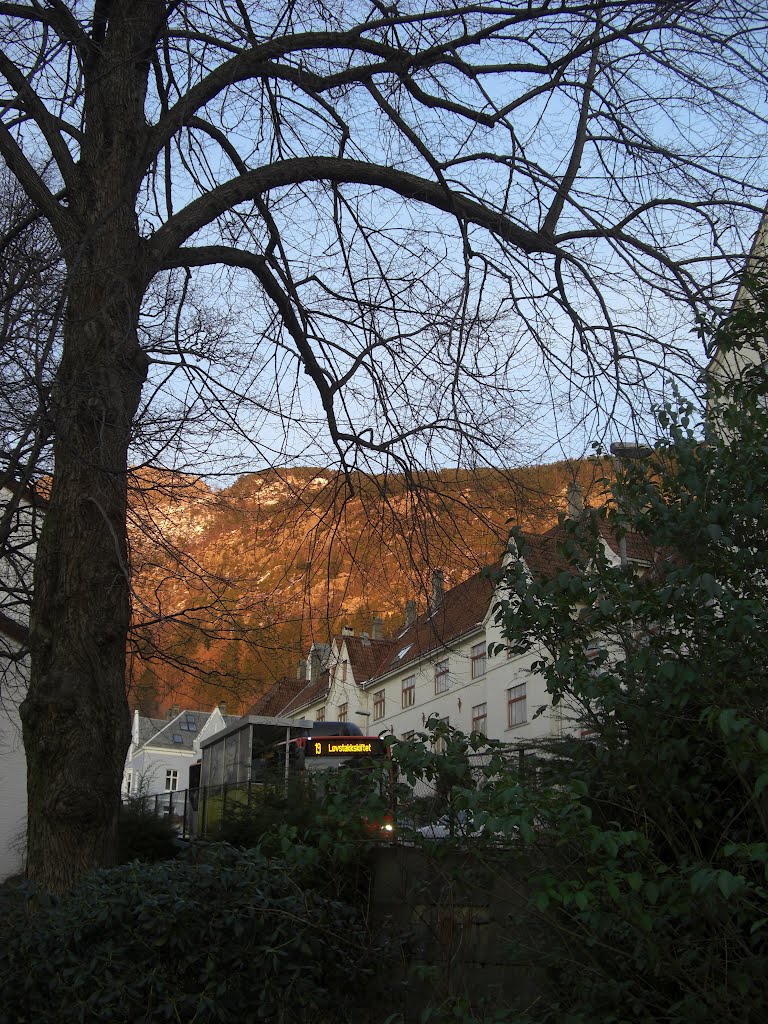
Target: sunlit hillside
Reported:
point(231, 586)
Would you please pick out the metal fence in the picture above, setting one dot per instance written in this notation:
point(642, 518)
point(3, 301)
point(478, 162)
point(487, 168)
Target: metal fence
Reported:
point(199, 812)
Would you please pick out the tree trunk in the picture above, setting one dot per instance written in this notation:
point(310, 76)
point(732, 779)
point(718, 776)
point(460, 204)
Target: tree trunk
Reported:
point(75, 717)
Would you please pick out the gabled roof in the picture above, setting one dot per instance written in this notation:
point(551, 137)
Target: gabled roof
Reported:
point(308, 692)
point(277, 696)
point(178, 733)
point(366, 655)
point(30, 492)
point(463, 607)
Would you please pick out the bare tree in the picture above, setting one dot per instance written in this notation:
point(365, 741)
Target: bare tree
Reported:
point(435, 208)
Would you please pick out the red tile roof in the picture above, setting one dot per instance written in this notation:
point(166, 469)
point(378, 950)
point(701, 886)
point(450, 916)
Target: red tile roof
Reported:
point(277, 696)
point(462, 608)
point(307, 693)
point(365, 655)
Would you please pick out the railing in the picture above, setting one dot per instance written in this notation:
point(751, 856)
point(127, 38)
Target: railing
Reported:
point(199, 812)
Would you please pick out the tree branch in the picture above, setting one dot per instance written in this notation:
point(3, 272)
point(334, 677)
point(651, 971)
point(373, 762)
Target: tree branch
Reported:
point(339, 171)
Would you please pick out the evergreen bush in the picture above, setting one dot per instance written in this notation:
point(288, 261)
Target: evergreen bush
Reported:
point(217, 934)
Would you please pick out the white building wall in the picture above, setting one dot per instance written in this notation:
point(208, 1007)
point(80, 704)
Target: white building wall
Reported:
point(458, 702)
point(13, 774)
point(15, 578)
point(149, 765)
point(146, 765)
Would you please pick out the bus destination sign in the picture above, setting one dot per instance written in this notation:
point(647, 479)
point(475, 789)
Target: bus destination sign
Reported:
point(345, 746)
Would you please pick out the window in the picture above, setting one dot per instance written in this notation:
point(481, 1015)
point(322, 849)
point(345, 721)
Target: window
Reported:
point(516, 705)
point(171, 780)
point(342, 711)
point(378, 704)
point(479, 718)
point(441, 675)
point(441, 744)
point(178, 738)
point(320, 715)
point(128, 778)
point(594, 657)
point(477, 660)
point(409, 692)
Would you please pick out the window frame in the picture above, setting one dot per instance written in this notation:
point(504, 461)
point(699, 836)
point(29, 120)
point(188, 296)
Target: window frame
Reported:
point(442, 682)
point(379, 705)
point(342, 711)
point(171, 780)
point(480, 721)
point(440, 745)
point(408, 692)
point(478, 656)
point(513, 704)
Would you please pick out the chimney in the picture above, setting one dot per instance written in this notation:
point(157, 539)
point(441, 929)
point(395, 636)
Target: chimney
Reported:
point(410, 613)
point(301, 669)
point(377, 628)
point(314, 666)
point(438, 591)
point(366, 640)
point(347, 631)
point(574, 502)
point(173, 711)
point(223, 707)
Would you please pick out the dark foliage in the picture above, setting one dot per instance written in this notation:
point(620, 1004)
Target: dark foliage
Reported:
point(215, 935)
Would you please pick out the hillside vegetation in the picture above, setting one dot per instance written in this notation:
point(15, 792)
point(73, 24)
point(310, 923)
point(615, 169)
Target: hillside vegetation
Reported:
point(231, 586)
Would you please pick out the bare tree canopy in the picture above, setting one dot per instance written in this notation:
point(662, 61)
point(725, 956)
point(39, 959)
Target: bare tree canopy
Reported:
point(440, 216)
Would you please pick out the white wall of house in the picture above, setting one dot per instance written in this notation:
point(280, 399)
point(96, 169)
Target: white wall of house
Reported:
point(499, 697)
point(15, 578)
point(147, 765)
point(13, 774)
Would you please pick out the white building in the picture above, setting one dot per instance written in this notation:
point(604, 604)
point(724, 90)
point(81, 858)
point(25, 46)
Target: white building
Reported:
point(23, 509)
point(163, 749)
point(729, 366)
point(438, 664)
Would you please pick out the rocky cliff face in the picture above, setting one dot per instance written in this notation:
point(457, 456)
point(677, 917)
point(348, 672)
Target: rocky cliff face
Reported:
point(231, 586)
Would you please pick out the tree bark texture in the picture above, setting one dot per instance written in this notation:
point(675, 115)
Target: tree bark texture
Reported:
point(75, 717)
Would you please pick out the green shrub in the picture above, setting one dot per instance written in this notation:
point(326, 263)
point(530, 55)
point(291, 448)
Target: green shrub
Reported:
point(655, 895)
point(144, 835)
point(215, 935)
point(258, 821)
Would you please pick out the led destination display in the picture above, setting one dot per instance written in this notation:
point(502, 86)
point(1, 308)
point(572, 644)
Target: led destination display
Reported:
point(345, 746)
